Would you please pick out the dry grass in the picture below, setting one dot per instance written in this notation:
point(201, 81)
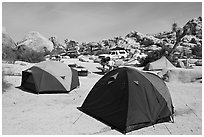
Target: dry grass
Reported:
point(5, 84)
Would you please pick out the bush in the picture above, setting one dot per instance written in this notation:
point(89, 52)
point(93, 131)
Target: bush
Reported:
point(197, 50)
point(5, 84)
point(102, 51)
point(152, 56)
point(29, 55)
point(9, 54)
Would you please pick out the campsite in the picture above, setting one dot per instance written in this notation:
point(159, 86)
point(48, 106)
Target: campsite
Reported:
point(101, 68)
point(51, 114)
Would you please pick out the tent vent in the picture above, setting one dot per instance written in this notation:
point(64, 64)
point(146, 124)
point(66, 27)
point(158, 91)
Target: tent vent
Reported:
point(115, 76)
point(63, 77)
point(136, 82)
point(112, 78)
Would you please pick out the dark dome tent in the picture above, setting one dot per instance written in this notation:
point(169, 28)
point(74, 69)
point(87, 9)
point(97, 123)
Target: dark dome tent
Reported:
point(50, 77)
point(127, 99)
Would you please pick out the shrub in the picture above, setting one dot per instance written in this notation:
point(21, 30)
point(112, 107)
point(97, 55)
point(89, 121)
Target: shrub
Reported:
point(152, 56)
point(197, 50)
point(29, 55)
point(22, 54)
point(102, 51)
point(9, 54)
point(5, 84)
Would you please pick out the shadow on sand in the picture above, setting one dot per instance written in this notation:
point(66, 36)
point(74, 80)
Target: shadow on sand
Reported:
point(99, 73)
point(45, 92)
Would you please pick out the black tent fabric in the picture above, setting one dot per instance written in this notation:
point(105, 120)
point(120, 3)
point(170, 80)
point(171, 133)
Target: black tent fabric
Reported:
point(127, 99)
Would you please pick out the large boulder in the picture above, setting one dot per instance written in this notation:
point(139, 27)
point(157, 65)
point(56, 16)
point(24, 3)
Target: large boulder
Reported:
point(35, 41)
point(137, 35)
point(194, 27)
point(191, 39)
point(181, 75)
point(151, 40)
point(7, 41)
point(130, 41)
point(144, 39)
point(8, 47)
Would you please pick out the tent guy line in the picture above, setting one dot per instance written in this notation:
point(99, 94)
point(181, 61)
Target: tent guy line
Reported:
point(193, 112)
point(167, 129)
point(77, 118)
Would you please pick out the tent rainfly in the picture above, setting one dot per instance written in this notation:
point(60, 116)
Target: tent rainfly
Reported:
point(159, 64)
point(127, 99)
point(50, 77)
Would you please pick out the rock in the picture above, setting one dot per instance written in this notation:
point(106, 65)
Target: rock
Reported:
point(150, 40)
point(169, 45)
point(8, 47)
point(153, 47)
point(144, 39)
point(194, 27)
point(190, 39)
point(181, 75)
point(35, 41)
point(179, 48)
point(22, 63)
point(186, 44)
point(130, 41)
point(7, 41)
point(139, 36)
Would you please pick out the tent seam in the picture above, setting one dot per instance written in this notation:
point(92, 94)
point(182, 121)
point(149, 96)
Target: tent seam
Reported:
point(149, 118)
point(127, 100)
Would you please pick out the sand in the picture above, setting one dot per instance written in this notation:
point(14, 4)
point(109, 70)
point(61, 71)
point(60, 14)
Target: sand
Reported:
point(25, 113)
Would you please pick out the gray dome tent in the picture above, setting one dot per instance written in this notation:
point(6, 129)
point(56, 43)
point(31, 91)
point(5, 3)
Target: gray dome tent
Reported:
point(50, 77)
point(159, 64)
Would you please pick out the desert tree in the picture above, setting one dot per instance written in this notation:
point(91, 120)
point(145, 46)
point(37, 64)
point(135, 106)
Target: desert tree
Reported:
point(54, 42)
point(180, 33)
point(70, 44)
point(174, 27)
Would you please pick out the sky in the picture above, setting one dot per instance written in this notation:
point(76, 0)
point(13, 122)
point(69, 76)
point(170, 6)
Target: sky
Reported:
point(94, 21)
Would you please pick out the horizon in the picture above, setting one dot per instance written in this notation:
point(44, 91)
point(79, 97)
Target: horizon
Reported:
point(94, 21)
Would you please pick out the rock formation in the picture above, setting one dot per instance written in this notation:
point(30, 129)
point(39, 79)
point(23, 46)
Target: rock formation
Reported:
point(8, 46)
point(7, 41)
point(35, 41)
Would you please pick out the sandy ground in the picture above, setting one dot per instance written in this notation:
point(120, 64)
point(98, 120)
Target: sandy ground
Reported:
point(25, 113)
